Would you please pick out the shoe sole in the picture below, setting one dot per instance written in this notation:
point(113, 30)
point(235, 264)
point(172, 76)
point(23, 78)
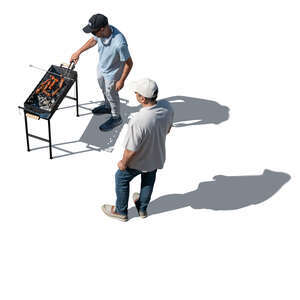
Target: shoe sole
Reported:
point(101, 113)
point(112, 216)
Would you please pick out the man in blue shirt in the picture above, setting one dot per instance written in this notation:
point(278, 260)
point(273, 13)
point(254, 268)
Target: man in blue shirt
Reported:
point(114, 66)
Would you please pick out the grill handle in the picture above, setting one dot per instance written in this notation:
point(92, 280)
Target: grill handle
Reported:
point(71, 65)
point(68, 69)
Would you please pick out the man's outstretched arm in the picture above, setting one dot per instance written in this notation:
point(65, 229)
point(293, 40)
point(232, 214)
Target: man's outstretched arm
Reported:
point(89, 44)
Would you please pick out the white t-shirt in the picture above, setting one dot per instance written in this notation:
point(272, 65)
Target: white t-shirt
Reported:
point(146, 135)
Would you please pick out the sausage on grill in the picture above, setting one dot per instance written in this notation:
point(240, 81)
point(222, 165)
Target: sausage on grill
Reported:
point(59, 86)
point(41, 86)
point(53, 82)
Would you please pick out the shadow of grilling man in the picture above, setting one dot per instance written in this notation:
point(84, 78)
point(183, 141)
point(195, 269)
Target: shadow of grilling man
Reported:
point(223, 193)
point(92, 136)
point(188, 111)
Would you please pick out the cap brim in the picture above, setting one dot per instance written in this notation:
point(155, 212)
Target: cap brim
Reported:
point(87, 29)
point(132, 86)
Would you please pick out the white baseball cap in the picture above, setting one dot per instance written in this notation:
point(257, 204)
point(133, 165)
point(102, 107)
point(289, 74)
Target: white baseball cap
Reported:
point(145, 87)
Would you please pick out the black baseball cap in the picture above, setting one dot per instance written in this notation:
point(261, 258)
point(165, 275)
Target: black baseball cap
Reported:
point(95, 23)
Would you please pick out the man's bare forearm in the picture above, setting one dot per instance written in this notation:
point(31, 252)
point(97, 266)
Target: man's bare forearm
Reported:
point(127, 68)
point(89, 44)
point(127, 156)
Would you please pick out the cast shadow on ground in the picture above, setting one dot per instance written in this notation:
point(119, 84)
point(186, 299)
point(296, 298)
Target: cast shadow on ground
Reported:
point(188, 111)
point(223, 193)
point(195, 111)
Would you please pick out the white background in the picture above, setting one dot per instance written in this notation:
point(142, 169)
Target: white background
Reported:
point(55, 241)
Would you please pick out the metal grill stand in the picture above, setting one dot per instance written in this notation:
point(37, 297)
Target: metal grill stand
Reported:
point(48, 119)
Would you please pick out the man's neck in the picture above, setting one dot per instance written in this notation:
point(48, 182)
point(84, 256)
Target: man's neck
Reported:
point(149, 104)
point(109, 32)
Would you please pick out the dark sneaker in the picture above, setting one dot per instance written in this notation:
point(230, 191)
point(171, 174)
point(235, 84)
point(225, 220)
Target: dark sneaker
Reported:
point(110, 211)
point(102, 109)
point(111, 123)
point(136, 200)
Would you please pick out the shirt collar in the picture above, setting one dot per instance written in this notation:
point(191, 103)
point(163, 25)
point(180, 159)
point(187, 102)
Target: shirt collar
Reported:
point(148, 107)
point(106, 41)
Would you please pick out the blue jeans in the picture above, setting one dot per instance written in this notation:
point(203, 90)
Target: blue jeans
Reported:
point(123, 179)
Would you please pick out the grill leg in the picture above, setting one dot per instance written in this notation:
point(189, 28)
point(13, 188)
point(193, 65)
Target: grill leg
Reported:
point(50, 142)
point(26, 129)
point(76, 90)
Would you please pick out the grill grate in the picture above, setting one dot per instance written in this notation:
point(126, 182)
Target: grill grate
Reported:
point(50, 91)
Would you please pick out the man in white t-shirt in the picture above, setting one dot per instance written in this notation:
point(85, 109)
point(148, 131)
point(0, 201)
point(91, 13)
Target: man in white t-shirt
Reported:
point(144, 152)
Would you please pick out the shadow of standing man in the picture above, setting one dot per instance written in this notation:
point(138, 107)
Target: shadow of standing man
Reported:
point(224, 193)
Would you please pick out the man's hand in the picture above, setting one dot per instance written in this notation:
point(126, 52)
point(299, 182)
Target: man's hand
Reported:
point(89, 44)
point(119, 85)
point(75, 57)
point(121, 166)
point(127, 156)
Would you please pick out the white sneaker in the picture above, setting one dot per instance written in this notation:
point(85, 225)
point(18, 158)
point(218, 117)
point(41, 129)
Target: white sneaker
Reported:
point(109, 210)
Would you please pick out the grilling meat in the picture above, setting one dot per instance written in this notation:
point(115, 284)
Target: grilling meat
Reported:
point(59, 86)
point(42, 86)
point(53, 82)
point(46, 86)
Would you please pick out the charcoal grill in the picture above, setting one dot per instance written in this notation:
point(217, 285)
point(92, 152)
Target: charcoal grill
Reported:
point(43, 103)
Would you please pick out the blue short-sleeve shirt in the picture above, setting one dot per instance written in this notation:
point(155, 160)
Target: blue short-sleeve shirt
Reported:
point(113, 52)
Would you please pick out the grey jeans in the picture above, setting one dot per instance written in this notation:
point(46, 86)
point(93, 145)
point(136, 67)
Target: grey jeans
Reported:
point(111, 96)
